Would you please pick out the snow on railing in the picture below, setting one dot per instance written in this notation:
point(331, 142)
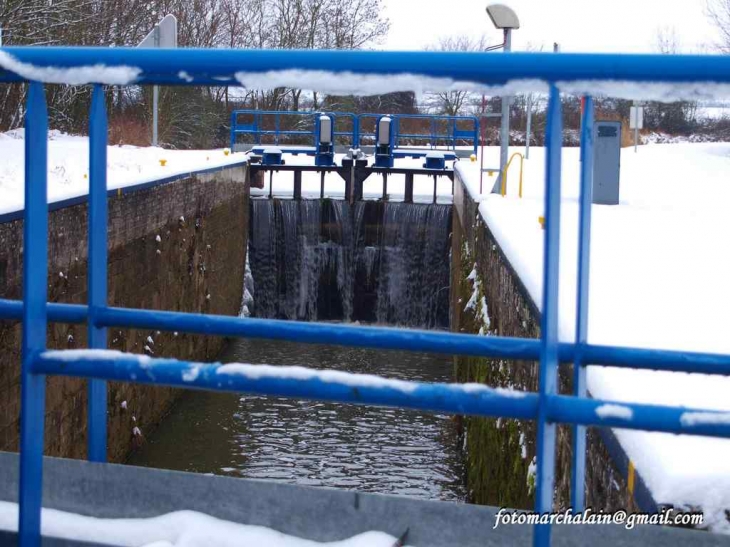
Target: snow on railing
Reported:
point(359, 72)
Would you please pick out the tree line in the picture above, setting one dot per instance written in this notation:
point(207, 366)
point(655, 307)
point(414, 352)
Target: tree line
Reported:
point(197, 117)
point(190, 117)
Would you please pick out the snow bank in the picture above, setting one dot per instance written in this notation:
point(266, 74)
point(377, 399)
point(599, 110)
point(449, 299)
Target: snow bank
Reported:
point(68, 166)
point(179, 529)
point(660, 266)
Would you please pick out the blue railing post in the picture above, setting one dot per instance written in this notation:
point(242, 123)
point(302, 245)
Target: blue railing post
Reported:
point(277, 128)
point(578, 471)
point(97, 267)
point(549, 322)
point(35, 295)
point(234, 116)
point(356, 131)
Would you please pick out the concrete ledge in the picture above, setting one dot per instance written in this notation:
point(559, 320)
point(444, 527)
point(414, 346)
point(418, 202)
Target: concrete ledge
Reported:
point(314, 513)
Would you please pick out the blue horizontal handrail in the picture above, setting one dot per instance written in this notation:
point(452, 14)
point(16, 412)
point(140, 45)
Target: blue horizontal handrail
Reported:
point(453, 135)
point(501, 347)
point(325, 385)
point(467, 399)
point(259, 117)
point(301, 69)
point(230, 66)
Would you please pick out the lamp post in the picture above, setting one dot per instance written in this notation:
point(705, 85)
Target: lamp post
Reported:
point(505, 19)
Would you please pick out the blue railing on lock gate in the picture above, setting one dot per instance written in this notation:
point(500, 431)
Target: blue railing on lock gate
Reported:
point(298, 129)
point(425, 130)
point(284, 127)
point(122, 66)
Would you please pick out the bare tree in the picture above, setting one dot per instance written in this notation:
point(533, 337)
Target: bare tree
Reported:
point(453, 103)
point(719, 13)
point(189, 115)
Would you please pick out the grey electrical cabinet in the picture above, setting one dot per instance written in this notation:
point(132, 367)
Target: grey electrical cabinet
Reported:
point(606, 162)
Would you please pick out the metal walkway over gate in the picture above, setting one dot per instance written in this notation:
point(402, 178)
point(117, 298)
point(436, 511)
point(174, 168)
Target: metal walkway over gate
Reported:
point(120, 66)
point(413, 135)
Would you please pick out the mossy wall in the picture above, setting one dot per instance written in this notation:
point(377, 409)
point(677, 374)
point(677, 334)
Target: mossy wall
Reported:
point(179, 246)
point(487, 297)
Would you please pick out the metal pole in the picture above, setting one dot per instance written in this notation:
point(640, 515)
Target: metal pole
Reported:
point(155, 94)
point(577, 478)
point(483, 137)
point(504, 130)
point(636, 127)
point(529, 126)
point(155, 98)
point(97, 274)
point(546, 432)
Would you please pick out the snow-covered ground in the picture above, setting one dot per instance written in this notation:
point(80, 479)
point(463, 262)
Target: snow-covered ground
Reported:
point(180, 529)
point(68, 166)
point(660, 265)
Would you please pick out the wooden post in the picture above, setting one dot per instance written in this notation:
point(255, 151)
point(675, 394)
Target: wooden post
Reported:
point(408, 198)
point(297, 184)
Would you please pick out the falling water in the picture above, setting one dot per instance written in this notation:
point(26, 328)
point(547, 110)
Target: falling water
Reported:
point(374, 261)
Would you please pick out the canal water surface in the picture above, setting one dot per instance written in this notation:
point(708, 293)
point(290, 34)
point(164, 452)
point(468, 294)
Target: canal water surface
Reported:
point(383, 450)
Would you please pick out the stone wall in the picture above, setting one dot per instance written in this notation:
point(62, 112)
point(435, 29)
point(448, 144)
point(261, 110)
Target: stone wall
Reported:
point(178, 246)
point(500, 451)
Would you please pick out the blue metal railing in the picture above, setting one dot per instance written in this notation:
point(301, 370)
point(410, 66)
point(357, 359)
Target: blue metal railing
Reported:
point(255, 123)
point(145, 67)
point(440, 131)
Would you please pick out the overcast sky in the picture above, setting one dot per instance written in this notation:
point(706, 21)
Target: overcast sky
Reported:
point(577, 25)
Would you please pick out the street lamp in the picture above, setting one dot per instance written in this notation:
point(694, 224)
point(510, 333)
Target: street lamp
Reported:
point(505, 19)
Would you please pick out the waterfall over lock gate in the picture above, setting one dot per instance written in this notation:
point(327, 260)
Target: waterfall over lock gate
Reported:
point(372, 262)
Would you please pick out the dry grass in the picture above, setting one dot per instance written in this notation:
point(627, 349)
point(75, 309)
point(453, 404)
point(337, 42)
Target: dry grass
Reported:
point(128, 131)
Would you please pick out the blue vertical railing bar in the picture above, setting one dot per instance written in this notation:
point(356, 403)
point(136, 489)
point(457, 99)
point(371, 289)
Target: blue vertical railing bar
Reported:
point(97, 268)
point(35, 295)
point(549, 321)
point(578, 469)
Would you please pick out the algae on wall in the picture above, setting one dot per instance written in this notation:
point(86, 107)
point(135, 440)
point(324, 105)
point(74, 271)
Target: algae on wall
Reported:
point(500, 452)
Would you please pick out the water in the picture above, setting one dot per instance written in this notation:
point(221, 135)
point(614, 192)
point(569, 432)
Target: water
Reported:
point(368, 449)
point(373, 261)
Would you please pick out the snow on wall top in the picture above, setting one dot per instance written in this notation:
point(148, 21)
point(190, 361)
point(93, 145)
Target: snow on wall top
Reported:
point(68, 166)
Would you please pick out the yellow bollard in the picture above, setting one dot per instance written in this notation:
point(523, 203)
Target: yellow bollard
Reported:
point(541, 220)
point(163, 163)
point(226, 151)
point(473, 158)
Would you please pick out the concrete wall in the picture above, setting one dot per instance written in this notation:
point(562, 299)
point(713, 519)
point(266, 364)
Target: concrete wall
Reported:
point(499, 452)
point(197, 266)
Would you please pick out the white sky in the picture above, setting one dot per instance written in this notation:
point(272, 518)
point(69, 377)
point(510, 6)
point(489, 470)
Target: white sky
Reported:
point(577, 25)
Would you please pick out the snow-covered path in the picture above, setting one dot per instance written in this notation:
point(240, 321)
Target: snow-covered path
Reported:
point(68, 166)
point(660, 266)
